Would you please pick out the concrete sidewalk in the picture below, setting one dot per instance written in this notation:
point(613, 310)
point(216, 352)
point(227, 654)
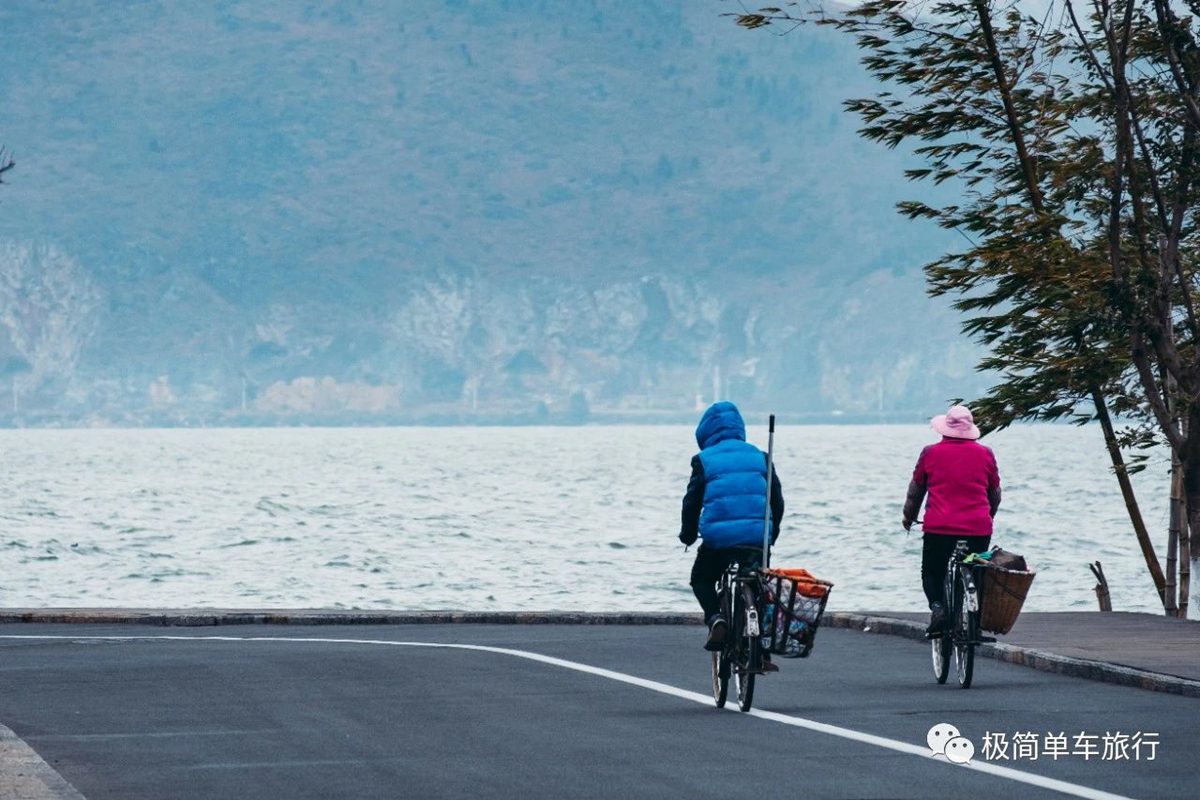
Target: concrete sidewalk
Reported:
point(1140, 650)
point(1139, 641)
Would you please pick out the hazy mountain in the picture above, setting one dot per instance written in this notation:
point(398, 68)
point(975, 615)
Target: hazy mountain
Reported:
point(270, 210)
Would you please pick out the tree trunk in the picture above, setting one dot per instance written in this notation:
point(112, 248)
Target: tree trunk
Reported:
point(1194, 568)
point(1131, 504)
point(1102, 595)
point(1194, 560)
point(1191, 488)
point(1182, 545)
point(1185, 562)
point(1176, 509)
point(1015, 131)
point(1173, 535)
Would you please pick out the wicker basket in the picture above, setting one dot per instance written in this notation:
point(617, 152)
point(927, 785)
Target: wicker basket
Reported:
point(1003, 595)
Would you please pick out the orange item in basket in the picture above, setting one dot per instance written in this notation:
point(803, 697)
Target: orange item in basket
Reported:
point(806, 583)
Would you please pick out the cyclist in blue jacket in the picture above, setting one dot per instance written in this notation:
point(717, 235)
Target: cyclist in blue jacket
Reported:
point(725, 506)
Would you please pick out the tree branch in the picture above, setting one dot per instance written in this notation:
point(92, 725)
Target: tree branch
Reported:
point(1153, 398)
point(6, 163)
point(1168, 24)
point(1010, 111)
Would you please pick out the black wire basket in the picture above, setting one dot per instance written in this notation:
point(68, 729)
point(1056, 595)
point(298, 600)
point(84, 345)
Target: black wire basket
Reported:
point(794, 602)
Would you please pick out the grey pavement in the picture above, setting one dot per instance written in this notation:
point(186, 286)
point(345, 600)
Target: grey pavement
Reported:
point(1140, 641)
point(192, 719)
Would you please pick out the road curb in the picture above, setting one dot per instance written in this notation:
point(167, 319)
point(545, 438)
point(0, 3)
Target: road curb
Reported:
point(1027, 656)
point(191, 617)
point(890, 626)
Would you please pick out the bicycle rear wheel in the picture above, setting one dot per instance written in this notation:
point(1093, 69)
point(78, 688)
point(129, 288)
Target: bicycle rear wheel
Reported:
point(965, 633)
point(942, 645)
point(745, 660)
point(745, 678)
point(720, 679)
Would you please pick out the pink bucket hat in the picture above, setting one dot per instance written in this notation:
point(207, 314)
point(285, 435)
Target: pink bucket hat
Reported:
point(956, 423)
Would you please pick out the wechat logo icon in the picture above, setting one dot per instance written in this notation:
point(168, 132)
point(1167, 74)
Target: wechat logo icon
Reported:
point(945, 740)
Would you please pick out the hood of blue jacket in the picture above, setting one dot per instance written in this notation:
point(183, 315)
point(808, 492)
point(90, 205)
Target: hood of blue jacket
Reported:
point(720, 422)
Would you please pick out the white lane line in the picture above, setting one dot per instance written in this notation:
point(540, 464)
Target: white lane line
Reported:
point(84, 737)
point(799, 722)
point(330, 762)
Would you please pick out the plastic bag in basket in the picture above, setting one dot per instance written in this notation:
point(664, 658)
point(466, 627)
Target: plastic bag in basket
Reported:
point(807, 583)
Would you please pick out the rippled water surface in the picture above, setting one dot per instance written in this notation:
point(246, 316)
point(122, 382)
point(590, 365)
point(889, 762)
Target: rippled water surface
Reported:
point(510, 518)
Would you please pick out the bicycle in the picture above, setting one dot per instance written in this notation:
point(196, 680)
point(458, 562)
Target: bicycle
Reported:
point(741, 656)
point(960, 634)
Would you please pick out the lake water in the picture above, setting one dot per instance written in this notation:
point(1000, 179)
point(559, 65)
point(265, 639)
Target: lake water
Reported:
point(511, 518)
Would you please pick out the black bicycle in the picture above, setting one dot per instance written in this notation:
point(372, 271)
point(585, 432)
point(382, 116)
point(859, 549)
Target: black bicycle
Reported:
point(960, 635)
point(741, 656)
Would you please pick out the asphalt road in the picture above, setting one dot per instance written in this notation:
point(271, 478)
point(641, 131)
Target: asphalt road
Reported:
point(164, 719)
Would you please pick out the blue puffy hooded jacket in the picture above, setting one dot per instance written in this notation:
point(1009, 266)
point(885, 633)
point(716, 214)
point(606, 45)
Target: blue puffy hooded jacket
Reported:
point(729, 484)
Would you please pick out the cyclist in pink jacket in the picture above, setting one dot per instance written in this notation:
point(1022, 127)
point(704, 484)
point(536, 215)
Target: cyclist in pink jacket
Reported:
point(962, 482)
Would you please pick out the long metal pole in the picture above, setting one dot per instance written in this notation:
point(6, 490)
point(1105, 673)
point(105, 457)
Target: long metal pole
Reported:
point(767, 517)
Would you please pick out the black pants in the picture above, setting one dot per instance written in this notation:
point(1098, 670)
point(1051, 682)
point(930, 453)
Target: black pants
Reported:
point(707, 570)
point(935, 555)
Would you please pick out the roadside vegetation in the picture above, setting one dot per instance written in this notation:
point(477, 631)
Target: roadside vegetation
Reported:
point(1070, 136)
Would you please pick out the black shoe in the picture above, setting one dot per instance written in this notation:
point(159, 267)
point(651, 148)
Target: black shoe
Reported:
point(716, 635)
point(937, 618)
point(767, 665)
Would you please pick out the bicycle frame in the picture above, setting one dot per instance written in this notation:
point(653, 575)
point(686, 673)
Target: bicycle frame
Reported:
point(961, 588)
point(738, 584)
point(740, 593)
point(961, 635)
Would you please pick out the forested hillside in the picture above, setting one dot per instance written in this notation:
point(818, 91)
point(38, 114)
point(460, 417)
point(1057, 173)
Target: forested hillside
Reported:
point(272, 211)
